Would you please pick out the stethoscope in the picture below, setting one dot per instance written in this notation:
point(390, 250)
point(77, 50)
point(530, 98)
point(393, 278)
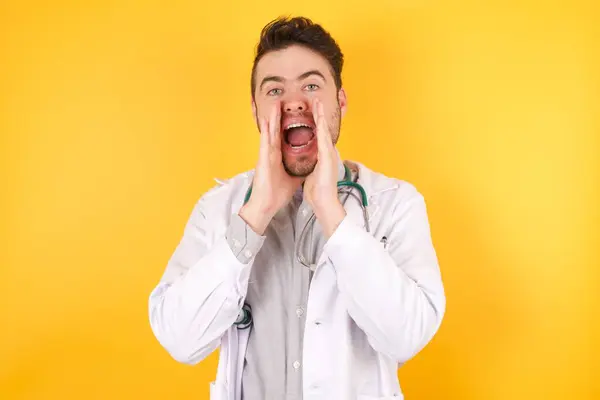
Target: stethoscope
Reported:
point(345, 186)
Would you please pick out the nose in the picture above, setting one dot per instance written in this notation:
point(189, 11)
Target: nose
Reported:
point(296, 103)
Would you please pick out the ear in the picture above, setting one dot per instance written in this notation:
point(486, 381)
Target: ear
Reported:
point(343, 101)
point(254, 111)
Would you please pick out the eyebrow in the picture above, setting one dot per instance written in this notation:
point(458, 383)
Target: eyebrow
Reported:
point(280, 79)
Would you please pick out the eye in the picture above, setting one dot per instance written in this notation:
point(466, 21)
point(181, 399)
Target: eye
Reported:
point(274, 92)
point(311, 87)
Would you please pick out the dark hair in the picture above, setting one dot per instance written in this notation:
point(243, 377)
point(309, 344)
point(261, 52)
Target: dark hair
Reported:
point(285, 31)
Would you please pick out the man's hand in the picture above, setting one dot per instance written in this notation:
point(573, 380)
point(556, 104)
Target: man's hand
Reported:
point(320, 188)
point(272, 187)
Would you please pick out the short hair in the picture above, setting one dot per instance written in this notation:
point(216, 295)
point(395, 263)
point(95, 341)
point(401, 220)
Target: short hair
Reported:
point(285, 31)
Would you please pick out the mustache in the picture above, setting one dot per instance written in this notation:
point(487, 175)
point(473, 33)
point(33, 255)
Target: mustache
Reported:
point(301, 114)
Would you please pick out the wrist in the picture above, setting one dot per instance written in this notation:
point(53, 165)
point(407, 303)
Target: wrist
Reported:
point(256, 216)
point(330, 215)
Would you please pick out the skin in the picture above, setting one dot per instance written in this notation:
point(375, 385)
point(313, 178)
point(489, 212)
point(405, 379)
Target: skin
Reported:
point(296, 85)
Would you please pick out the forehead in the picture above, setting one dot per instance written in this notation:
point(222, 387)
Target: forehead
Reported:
point(291, 62)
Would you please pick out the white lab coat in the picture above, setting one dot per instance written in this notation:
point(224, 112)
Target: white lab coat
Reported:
point(370, 307)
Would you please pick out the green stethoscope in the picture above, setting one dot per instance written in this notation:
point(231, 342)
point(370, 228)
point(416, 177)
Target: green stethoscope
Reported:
point(245, 316)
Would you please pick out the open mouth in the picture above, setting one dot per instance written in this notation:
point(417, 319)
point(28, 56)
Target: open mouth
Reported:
point(298, 135)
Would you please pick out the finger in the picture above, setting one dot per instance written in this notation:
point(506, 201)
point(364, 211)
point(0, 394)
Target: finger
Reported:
point(316, 109)
point(275, 125)
point(316, 116)
point(264, 129)
point(323, 135)
point(264, 135)
point(315, 112)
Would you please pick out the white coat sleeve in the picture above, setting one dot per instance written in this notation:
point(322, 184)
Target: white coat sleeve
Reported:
point(204, 285)
point(395, 295)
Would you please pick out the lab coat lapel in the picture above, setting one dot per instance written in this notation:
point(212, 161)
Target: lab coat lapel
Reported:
point(374, 185)
point(233, 353)
point(352, 206)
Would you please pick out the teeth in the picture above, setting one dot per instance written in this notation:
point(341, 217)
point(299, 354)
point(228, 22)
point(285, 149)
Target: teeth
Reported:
point(297, 125)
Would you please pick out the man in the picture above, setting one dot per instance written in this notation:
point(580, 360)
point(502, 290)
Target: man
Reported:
point(301, 309)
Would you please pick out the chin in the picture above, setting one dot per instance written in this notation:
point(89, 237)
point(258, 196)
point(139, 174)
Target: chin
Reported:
point(299, 168)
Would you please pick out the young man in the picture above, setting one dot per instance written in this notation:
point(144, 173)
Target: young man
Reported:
point(307, 294)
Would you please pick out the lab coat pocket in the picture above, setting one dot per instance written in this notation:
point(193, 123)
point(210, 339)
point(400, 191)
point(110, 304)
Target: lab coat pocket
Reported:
point(218, 391)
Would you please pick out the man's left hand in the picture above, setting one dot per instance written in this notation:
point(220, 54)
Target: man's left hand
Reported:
point(320, 187)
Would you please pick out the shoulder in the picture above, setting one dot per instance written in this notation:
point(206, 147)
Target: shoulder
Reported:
point(393, 200)
point(226, 193)
point(380, 185)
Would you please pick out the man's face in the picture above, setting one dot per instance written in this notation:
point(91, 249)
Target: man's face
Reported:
point(290, 79)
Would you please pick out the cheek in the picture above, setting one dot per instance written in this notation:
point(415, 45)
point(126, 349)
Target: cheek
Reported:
point(261, 109)
point(332, 101)
point(329, 100)
point(265, 104)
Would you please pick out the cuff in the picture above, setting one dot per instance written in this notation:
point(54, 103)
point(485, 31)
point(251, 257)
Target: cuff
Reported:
point(242, 240)
point(348, 234)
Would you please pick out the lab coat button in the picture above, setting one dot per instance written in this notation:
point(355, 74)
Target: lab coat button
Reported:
point(248, 253)
point(296, 364)
point(299, 312)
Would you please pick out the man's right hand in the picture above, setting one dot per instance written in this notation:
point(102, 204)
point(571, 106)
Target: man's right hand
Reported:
point(272, 186)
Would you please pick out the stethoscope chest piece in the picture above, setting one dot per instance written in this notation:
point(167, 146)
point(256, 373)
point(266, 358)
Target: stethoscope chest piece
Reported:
point(244, 319)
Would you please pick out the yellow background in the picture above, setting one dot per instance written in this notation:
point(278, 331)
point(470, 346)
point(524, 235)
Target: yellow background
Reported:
point(115, 117)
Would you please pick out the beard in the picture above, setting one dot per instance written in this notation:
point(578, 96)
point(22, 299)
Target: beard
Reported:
point(302, 166)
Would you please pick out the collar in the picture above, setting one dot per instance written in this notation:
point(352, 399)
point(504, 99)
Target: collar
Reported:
point(341, 167)
point(374, 184)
